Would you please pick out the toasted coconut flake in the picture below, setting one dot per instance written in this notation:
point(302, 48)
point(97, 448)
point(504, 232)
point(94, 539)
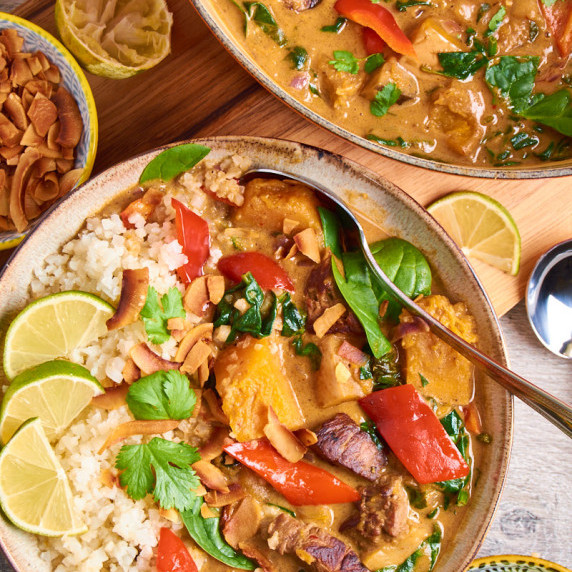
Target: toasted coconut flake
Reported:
point(11, 152)
point(308, 244)
point(282, 439)
point(306, 437)
point(4, 194)
point(134, 287)
point(19, 183)
point(16, 112)
point(10, 135)
point(20, 73)
point(221, 334)
point(69, 181)
point(242, 521)
point(52, 74)
point(352, 354)
point(44, 165)
point(214, 407)
point(42, 86)
point(383, 308)
point(47, 189)
point(30, 138)
point(196, 297)
point(328, 319)
point(148, 361)
point(113, 398)
point(216, 499)
point(211, 476)
point(196, 356)
point(139, 427)
point(170, 514)
point(144, 206)
point(216, 443)
point(108, 478)
point(176, 324)
point(207, 512)
point(71, 125)
point(204, 372)
point(215, 287)
point(198, 333)
point(130, 372)
point(293, 251)
point(11, 41)
point(289, 225)
point(64, 165)
point(43, 114)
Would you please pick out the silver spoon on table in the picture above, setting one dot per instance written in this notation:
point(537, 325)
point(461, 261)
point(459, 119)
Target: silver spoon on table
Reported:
point(550, 407)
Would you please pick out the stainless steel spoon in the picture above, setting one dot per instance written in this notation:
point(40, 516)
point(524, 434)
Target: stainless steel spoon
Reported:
point(549, 299)
point(550, 407)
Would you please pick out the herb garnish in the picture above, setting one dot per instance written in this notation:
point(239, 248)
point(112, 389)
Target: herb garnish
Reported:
point(162, 468)
point(345, 61)
point(431, 543)
point(384, 99)
point(298, 56)
point(173, 162)
point(258, 13)
point(402, 5)
point(161, 395)
point(336, 27)
point(155, 313)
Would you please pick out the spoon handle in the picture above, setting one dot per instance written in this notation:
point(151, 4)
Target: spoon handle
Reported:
point(550, 407)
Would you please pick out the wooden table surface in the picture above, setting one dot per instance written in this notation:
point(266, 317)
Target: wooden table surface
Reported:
point(203, 92)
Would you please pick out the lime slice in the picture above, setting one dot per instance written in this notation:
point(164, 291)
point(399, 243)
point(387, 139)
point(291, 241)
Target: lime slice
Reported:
point(482, 228)
point(53, 327)
point(115, 39)
point(56, 392)
point(34, 491)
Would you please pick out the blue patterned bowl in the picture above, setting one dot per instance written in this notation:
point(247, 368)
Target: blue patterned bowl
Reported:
point(514, 563)
point(74, 80)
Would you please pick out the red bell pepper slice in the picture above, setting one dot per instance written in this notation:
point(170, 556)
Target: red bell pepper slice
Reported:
point(172, 554)
point(380, 20)
point(558, 18)
point(372, 42)
point(266, 272)
point(301, 483)
point(193, 236)
point(414, 434)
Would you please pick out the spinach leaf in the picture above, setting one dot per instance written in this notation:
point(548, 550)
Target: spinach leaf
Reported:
point(514, 78)
point(206, 533)
point(397, 142)
point(357, 290)
point(161, 395)
point(385, 370)
point(258, 13)
point(455, 428)
point(431, 544)
point(331, 229)
point(554, 110)
point(384, 99)
point(345, 61)
point(496, 21)
point(461, 65)
point(522, 140)
point(402, 5)
point(406, 267)
point(309, 350)
point(298, 56)
point(483, 9)
point(336, 27)
point(173, 161)
point(373, 62)
point(369, 428)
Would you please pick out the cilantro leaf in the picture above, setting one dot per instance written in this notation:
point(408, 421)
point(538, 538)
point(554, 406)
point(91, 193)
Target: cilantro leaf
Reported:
point(345, 61)
point(162, 395)
point(155, 313)
point(384, 99)
point(336, 27)
point(162, 468)
point(373, 62)
point(514, 78)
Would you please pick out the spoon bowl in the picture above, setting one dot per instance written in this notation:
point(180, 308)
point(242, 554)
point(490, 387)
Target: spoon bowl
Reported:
point(550, 407)
point(549, 299)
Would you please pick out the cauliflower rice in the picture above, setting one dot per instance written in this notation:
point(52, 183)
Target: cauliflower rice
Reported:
point(122, 533)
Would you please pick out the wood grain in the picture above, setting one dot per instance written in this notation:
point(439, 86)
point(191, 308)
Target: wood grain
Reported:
point(199, 90)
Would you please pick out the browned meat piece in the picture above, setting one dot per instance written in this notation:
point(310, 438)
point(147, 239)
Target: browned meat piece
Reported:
point(322, 293)
point(341, 441)
point(300, 5)
point(383, 508)
point(324, 552)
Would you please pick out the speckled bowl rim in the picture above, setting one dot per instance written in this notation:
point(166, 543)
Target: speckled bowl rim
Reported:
point(248, 63)
point(90, 102)
point(501, 559)
point(335, 170)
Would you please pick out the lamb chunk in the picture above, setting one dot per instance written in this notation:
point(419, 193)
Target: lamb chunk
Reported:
point(322, 293)
point(324, 552)
point(300, 5)
point(394, 72)
point(341, 441)
point(383, 508)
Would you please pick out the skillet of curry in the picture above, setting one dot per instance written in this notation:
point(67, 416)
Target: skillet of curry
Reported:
point(471, 83)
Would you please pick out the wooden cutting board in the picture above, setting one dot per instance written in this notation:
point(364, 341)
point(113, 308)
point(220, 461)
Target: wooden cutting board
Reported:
point(199, 90)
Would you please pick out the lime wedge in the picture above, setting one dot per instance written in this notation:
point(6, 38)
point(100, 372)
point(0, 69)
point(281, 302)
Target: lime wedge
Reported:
point(34, 491)
point(52, 327)
point(56, 392)
point(481, 227)
point(115, 39)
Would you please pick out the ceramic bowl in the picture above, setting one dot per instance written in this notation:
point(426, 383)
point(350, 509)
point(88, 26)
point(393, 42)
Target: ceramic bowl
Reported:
point(74, 80)
point(385, 205)
point(210, 12)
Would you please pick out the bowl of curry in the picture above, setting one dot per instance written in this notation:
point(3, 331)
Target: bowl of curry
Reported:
point(330, 431)
point(464, 87)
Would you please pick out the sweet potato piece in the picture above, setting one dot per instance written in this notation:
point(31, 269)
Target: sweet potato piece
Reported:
point(250, 378)
point(450, 375)
point(267, 202)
